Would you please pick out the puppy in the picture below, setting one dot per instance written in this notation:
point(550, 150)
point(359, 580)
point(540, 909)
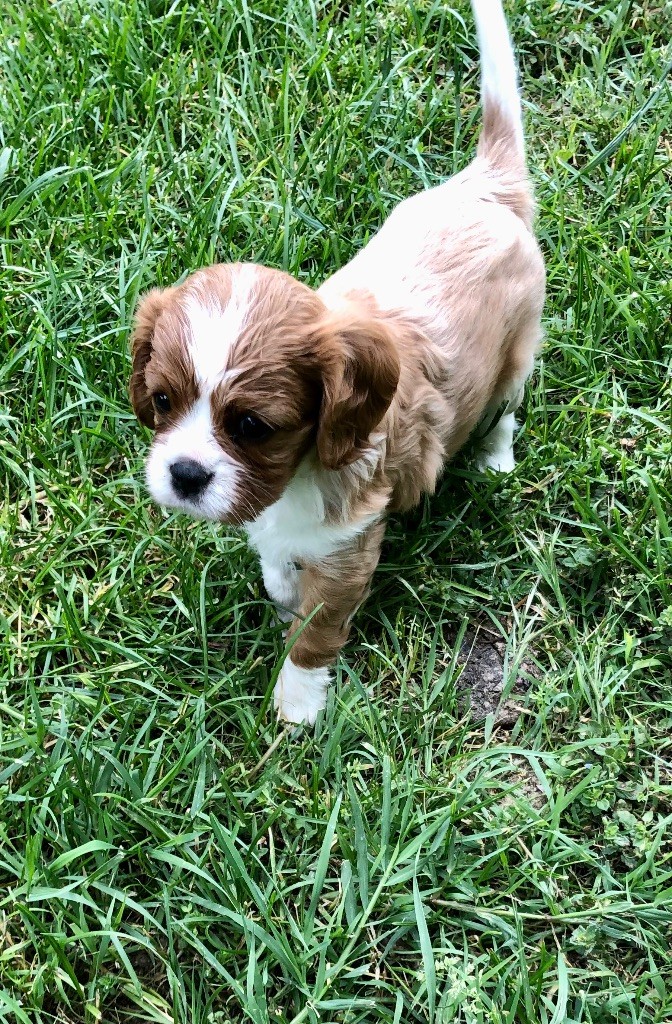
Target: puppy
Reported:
point(306, 416)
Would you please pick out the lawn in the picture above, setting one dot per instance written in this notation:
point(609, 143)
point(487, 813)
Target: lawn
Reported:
point(167, 852)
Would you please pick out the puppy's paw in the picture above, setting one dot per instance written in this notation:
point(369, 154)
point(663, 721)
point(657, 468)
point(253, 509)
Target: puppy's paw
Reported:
point(300, 692)
point(495, 451)
point(499, 460)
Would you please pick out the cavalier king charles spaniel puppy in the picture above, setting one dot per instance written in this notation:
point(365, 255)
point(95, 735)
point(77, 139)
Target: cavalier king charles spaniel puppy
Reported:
point(306, 416)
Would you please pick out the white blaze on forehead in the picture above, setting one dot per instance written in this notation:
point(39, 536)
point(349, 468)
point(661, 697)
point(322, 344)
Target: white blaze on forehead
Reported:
point(213, 330)
point(192, 437)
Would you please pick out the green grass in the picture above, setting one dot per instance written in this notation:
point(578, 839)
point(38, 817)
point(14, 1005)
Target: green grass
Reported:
point(166, 852)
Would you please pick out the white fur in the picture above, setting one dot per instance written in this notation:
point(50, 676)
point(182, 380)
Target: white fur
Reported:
point(394, 265)
point(214, 331)
point(294, 527)
point(193, 439)
point(495, 451)
point(300, 692)
point(499, 79)
point(281, 580)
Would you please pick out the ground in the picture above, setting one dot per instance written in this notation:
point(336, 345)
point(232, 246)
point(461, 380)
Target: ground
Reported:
point(167, 852)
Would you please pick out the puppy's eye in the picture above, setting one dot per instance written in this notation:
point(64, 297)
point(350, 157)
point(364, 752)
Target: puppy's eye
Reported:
point(250, 428)
point(161, 402)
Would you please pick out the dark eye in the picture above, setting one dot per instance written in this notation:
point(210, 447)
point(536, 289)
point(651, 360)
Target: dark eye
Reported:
point(250, 428)
point(161, 402)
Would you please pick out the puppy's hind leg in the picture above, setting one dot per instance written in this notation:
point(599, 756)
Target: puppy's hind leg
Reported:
point(495, 446)
point(494, 435)
point(495, 451)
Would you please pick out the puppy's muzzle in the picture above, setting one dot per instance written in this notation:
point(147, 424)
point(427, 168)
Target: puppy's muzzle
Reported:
point(189, 478)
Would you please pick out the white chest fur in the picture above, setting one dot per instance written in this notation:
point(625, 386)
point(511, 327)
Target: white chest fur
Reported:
point(294, 528)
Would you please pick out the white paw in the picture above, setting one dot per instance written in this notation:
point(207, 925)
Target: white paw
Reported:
point(500, 460)
point(496, 448)
point(300, 692)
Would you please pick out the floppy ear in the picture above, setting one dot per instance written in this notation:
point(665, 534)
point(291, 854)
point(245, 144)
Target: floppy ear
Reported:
point(149, 309)
point(360, 374)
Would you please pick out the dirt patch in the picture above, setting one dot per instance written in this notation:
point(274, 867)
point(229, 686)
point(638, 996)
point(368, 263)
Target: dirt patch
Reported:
point(481, 681)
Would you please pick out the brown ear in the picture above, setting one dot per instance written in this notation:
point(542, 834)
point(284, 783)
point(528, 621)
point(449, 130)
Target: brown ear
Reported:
point(359, 378)
point(147, 313)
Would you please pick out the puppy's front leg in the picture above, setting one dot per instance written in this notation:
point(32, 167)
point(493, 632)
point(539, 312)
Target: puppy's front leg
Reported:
point(282, 580)
point(336, 586)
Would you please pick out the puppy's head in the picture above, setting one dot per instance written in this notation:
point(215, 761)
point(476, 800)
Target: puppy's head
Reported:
point(241, 371)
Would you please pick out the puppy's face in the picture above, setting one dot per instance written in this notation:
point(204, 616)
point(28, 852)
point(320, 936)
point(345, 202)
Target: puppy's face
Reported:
point(241, 371)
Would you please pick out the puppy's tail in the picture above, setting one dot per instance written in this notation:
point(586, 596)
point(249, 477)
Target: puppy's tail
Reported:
point(501, 141)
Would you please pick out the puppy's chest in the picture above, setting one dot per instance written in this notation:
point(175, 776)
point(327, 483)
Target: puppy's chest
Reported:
point(294, 528)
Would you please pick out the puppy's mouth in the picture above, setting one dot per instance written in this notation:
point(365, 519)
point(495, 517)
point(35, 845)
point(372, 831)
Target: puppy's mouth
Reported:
point(203, 507)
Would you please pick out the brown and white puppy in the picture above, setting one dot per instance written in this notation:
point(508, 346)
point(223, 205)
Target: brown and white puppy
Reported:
point(307, 415)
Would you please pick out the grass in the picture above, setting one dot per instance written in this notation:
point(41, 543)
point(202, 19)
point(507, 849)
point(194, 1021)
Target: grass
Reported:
point(166, 852)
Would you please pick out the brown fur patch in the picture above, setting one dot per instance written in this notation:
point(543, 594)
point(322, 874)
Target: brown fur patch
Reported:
point(340, 583)
point(149, 310)
point(161, 361)
point(358, 381)
point(498, 146)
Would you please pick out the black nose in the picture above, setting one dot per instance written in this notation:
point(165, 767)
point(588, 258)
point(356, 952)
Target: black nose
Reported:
point(189, 478)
